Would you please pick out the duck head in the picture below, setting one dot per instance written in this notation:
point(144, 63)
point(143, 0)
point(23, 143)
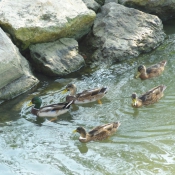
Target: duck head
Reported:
point(141, 69)
point(36, 101)
point(72, 88)
point(81, 130)
point(134, 99)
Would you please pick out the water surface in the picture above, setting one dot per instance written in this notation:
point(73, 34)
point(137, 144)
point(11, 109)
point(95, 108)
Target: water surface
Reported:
point(143, 144)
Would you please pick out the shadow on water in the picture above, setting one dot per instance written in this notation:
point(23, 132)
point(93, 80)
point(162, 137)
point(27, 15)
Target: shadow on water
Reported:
point(169, 26)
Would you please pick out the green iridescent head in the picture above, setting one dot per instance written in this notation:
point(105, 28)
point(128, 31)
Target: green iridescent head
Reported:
point(36, 101)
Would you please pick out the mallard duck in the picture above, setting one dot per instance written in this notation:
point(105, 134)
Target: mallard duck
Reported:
point(98, 133)
point(86, 96)
point(152, 71)
point(52, 110)
point(149, 97)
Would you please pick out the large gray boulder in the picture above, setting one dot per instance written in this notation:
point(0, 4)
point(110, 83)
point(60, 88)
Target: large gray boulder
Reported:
point(120, 33)
point(57, 58)
point(15, 74)
point(164, 9)
point(38, 21)
point(92, 4)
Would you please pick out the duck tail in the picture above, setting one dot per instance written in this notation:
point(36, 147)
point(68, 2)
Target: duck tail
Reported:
point(163, 87)
point(116, 124)
point(67, 105)
point(103, 90)
point(163, 62)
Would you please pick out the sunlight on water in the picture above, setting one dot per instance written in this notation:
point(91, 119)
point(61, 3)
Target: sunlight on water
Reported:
point(143, 144)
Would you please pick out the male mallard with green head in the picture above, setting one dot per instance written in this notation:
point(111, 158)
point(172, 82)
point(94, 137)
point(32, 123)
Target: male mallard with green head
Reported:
point(86, 96)
point(149, 97)
point(52, 110)
point(98, 133)
point(152, 71)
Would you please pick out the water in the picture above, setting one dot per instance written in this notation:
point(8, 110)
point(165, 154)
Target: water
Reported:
point(144, 143)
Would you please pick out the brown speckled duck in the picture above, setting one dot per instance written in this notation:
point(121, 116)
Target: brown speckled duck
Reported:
point(152, 71)
point(149, 97)
point(98, 133)
point(86, 96)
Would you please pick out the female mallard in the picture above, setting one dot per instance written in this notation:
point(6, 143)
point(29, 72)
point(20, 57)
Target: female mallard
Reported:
point(98, 133)
point(85, 96)
point(149, 97)
point(52, 110)
point(152, 71)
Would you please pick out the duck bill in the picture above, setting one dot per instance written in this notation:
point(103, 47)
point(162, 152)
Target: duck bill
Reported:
point(64, 91)
point(30, 104)
point(134, 102)
point(74, 131)
point(138, 74)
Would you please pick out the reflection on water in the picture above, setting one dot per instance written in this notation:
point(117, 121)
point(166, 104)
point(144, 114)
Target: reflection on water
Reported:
point(143, 144)
point(83, 148)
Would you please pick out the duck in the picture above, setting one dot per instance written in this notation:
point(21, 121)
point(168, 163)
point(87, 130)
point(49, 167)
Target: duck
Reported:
point(86, 96)
point(149, 97)
point(152, 71)
point(98, 133)
point(52, 110)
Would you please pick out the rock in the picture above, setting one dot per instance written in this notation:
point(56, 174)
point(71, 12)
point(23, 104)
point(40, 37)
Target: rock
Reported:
point(57, 58)
point(107, 1)
point(39, 21)
point(15, 74)
point(92, 4)
point(163, 9)
point(120, 33)
point(167, 52)
point(101, 2)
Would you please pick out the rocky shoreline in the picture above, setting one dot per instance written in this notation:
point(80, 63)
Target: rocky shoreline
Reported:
point(50, 30)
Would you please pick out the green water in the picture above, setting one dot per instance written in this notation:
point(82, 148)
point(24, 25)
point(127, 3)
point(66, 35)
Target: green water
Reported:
point(143, 145)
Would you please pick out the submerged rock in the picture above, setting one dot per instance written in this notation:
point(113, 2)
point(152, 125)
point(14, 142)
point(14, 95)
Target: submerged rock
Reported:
point(163, 9)
point(120, 33)
point(38, 21)
point(15, 74)
point(57, 58)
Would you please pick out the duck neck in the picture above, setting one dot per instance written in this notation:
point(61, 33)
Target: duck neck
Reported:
point(139, 103)
point(73, 91)
point(82, 137)
point(37, 106)
point(83, 133)
point(144, 74)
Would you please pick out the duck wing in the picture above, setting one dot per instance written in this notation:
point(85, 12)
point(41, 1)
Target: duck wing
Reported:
point(154, 68)
point(56, 107)
point(103, 129)
point(91, 92)
point(152, 95)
